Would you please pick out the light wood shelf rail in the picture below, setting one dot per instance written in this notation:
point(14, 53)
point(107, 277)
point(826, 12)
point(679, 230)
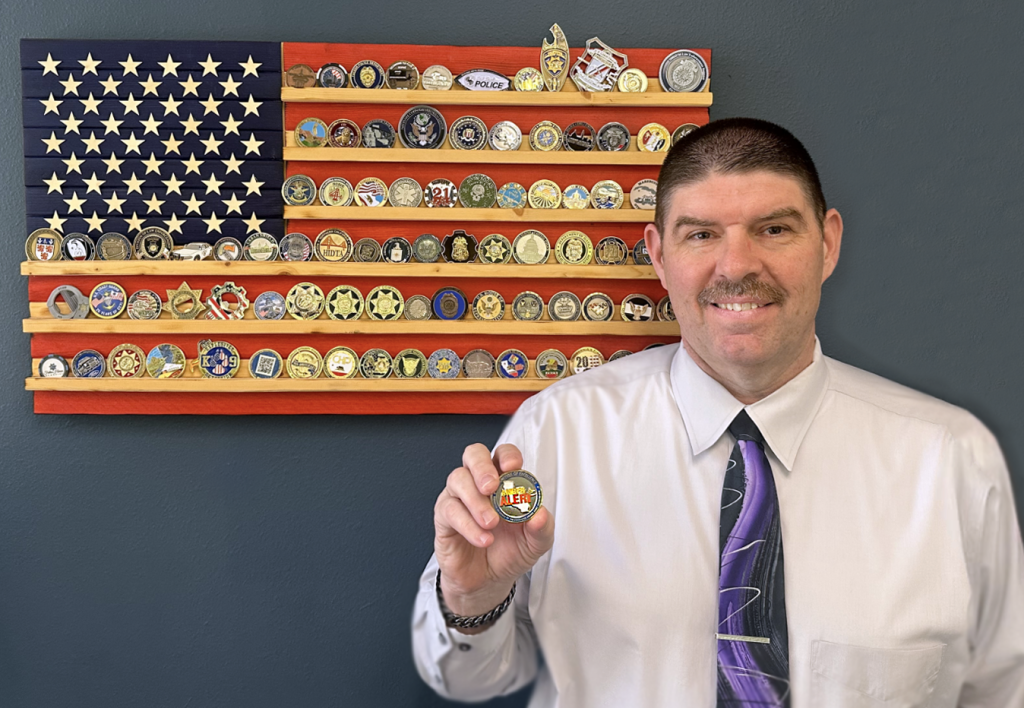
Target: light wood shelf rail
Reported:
point(389, 213)
point(539, 99)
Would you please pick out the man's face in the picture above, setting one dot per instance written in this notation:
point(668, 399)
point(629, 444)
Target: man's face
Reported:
point(743, 259)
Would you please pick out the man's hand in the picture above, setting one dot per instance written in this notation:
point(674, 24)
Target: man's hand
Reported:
point(479, 555)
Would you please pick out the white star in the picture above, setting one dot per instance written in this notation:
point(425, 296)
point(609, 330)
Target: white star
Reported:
point(49, 65)
point(189, 86)
point(173, 185)
point(92, 143)
point(150, 86)
point(233, 163)
point(192, 164)
point(211, 105)
point(253, 224)
point(213, 184)
point(212, 144)
point(71, 124)
point(131, 104)
point(73, 164)
point(132, 144)
point(172, 144)
point(114, 203)
point(152, 164)
point(52, 143)
point(75, 203)
point(171, 105)
point(174, 224)
point(191, 125)
point(231, 125)
point(151, 125)
point(234, 204)
point(170, 66)
point(70, 86)
point(230, 86)
point(91, 104)
point(110, 85)
point(134, 184)
point(51, 104)
point(56, 223)
point(252, 144)
point(209, 66)
point(112, 125)
point(192, 205)
point(95, 222)
point(253, 186)
point(251, 106)
point(93, 184)
point(54, 183)
point(213, 223)
point(134, 223)
point(250, 67)
point(129, 66)
point(153, 204)
point(113, 164)
point(89, 65)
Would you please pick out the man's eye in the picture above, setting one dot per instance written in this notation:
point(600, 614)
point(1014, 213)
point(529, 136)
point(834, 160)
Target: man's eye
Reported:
point(700, 236)
point(775, 230)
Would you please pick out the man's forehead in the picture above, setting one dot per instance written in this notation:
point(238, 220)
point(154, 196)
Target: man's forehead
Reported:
point(738, 196)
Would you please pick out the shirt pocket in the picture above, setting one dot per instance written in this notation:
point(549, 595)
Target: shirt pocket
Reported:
point(851, 676)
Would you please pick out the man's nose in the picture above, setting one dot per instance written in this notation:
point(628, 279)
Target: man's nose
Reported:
point(739, 256)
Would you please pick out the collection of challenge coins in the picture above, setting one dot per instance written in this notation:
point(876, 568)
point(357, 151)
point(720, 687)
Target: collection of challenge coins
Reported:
point(307, 301)
point(477, 191)
point(150, 244)
point(599, 69)
point(220, 360)
point(423, 127)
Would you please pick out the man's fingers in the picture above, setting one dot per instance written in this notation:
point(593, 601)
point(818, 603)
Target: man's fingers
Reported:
point(462, 486)
point(540, 532)
point(477, 459)
point(507, 457)
point(451, 516)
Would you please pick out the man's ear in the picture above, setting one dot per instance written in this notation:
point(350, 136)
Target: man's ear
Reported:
point(832, 239)
point(654, 247)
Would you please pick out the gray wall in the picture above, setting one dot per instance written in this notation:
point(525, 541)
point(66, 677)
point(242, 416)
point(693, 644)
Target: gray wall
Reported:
point(272, 561)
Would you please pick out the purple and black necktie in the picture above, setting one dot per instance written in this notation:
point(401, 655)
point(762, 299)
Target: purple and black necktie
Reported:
point(753, 643)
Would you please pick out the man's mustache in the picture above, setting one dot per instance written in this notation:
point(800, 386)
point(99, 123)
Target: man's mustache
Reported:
point(750, 286)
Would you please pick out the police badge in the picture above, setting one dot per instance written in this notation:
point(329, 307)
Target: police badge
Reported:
point(554, 59)
point(599, 67)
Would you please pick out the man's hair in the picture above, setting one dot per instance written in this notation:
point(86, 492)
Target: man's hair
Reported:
point(737, 145)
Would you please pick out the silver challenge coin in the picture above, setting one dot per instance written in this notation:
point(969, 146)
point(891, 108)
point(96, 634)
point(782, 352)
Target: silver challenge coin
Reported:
point(296, 247)
point(531, 247)
point(598, 307)
point(418, 307)
point(260, 247)
point(578, 137)
point(144, 305)
point(637, 308)
point(403, 75)
point(528, 307)
point(564, 307)
point(437, 78)
point(76, 302)
point(613, 137)
point(405, 192)
point(478, 364)
point(426, 248)
point(113, 246)
point(683, 71)
point(505, 135)
point(77, 247)
point(378, 133)
point(88, 364)
point(366, 250)
point(269, 306)
point(54, 366)
point(396, 250)
point(644, 194)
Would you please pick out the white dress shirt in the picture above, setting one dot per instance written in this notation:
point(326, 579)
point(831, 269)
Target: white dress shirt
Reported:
point(904, 568)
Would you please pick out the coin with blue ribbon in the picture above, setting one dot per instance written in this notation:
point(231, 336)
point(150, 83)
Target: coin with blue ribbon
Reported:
point(422, 127)
point(378, 133)
point(367, 74)
point(311, 133)
point(54, 366)
point(88, 364)
point(512, 364)
point(269, 306)
point(299, 190)
point(265, 364)
point(444, 364)
point(218, 360)
point(108, 300)
point(518, 496)
point(449, 303)
point(166, 361)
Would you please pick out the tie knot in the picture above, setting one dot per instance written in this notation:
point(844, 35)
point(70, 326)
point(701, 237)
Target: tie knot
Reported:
point(743, 428)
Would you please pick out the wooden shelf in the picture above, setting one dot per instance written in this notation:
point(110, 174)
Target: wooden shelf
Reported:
point(317, 268)
point(471, 157)
point(388, 213)
point(457, 97)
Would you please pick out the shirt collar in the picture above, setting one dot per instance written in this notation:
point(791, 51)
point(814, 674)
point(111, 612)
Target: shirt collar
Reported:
point(783, 417)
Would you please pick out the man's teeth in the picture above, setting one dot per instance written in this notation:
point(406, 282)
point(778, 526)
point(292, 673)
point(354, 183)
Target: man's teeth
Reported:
point(737, 306)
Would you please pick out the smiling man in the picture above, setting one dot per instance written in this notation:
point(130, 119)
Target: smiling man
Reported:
point(739, 520)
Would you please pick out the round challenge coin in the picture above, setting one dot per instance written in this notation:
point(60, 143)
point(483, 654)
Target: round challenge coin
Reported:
point(385, 303)
point(640, 254)
point(644, 194)
point(300, 76)
point(468, 133)
point(512, 195)
point(607, 194)
point(488, 305)
point(637, 307)
point(396, 250)
point(528, 79)
point(341, 363)
point(620, 354)
point(598, 307)
point(449, 303)
point(145, 305)
point(440, 193)
point(682, 131)
point(653, 137)
point(344, 133)
point(88, 364)
point(512, 364)
point(298, 190)
point(528, 306)
point(437, 78)
point(518, 496)
point(531, 247)
point(305, 301)
point(505, 135)
point(367, 74)
point(575, 196)
point(108, 300)
point(126, 361)
point(632, 80)
point(546, 136)
point(683, 70)
point(366, 250)
point(344, 302)
point(165, 361)
point(579, 137)
point(410, 364)
point(444, 364)
point(296, 247)
point(75, 301)
point(113, 246)
point(371, 192)
point(265, 364)
point(336, 191)
point(218, 360)
point(544, 194)
point(333, 246)
point(311, 133)
point(574, 248)
point(260, 247)
point(551, 364)
point(405, 192)
point(584, 359)
point(77, 247)
point(564, 306)
point(611, 250)
point(478, 364)
point(495, 248)
point(418, 308)
point(54, 366)
point(269, 306)
point(665, 311)
point(613, 137)
point(376, 364)
point(426, 248)
point(43, 245)
point(227, 249)
point(378, 133)
point(403, 75)
point(331, 76)
point(478, 191)
point(422, 127)
point(304, 363)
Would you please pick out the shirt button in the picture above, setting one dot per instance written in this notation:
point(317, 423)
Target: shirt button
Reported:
point(464, 647)
point(441, 638)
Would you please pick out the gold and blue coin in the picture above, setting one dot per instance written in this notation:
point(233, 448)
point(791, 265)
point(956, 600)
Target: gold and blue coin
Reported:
point(88, 364)
point(44, 245)
point(166, 361)
point(512, 364)
point(269, 305)
point(574, 248)
point(468, 133)
point(336, 191)
point(545, 194)
point(546, 136)
point(378, 133)
point(528, 306)
point(505, 136)
point(265, 364)
point(54, 366)
point(311, 133)
point(218, 360)
point(564, 306)
point(422, 127)
point(108, 300)
point(512, 195)
point(385, 303)
point(367, 74)
point(305, 301)
point(489, 305)
point(333, 246)
point(449, 303)
point(304, 363)
point(611, 250)
point(341, 363)
point(444, 364)
point(494, 249)
point(299, 190)
point(344, 302)
point(410, 364)
point(575, 196)
point(396, 250)
point(478, 191)
point(551, 364)
point(607, 194)
point(376, 364)
point(637, 307)
point(518, 496)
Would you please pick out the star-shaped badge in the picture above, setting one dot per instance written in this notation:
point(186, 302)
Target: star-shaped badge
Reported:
point(184, 302)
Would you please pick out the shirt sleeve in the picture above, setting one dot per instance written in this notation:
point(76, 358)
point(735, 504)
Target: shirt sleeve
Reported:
point(995, 674)
point(476, 667)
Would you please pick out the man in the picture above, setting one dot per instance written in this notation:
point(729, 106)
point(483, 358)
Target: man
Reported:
point(657, 574)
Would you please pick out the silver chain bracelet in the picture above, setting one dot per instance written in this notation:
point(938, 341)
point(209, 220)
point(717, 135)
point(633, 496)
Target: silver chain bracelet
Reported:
point(453, 620)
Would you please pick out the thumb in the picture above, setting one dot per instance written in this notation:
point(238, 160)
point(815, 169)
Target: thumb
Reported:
point(539, 533)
